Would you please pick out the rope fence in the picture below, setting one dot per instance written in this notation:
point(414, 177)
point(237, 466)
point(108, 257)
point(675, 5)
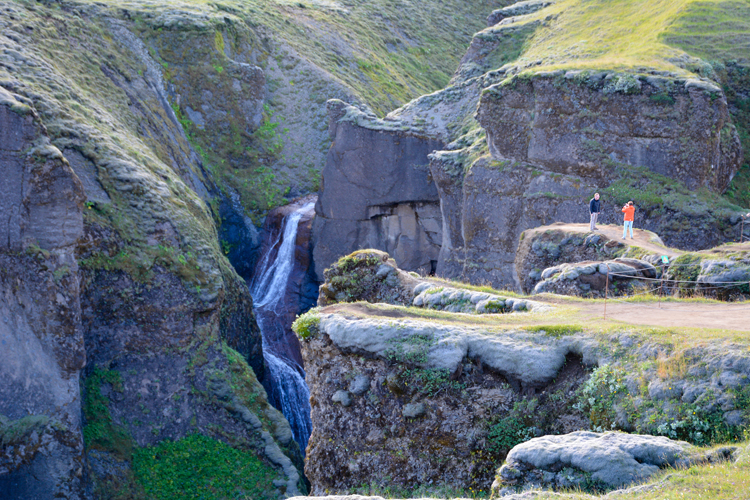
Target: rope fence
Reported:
point(670, 283)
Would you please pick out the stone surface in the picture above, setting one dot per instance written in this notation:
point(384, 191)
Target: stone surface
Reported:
point(416, 424)
point(376, 193)
point(42, 355)
point(611, 460)
point(539, 121)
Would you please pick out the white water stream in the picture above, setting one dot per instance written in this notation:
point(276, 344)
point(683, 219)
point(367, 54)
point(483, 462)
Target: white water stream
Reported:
point(289, 390)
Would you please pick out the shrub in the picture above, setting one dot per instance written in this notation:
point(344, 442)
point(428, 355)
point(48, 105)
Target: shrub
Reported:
point(308, 325)
point(599, 395)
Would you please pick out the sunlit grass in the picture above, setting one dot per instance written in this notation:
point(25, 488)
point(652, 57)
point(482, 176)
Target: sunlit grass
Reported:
point(638, 35)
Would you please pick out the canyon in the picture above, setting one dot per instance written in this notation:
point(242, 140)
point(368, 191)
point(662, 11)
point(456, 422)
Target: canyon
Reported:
point(405, 182)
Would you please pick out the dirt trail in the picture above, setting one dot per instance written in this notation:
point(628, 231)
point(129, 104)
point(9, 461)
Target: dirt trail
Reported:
point(671, 314)
point(730, 316)
point(641, 238)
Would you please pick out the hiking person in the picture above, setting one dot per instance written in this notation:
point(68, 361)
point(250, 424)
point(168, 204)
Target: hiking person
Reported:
point(594, 209)
point(629, 211)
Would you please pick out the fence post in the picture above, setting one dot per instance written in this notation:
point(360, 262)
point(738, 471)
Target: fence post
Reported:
point(661, 285)
point(606, 292)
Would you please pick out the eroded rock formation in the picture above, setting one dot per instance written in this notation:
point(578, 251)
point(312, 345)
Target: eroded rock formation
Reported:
point(404, 398)
point(376, 192)
point(42, 453)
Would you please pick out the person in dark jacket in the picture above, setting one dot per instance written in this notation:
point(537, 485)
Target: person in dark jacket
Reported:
point(594, 209)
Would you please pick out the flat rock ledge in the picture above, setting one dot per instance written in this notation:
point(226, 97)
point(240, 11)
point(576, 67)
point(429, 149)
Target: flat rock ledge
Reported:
point(590, 461)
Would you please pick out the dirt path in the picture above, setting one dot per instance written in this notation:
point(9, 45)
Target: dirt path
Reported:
point(720, 316)
point(642, 238)
point(672, 314)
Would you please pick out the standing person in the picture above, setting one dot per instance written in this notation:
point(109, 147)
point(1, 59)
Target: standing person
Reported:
point(594, 209)
point(629, 211)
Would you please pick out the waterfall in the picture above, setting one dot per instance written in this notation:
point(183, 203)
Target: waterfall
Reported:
point(288, 390)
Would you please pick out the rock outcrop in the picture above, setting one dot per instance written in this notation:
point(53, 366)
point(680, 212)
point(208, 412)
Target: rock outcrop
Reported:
point(570, 260)
point(588, 124)
point(376, 192)
point(400, 397)
point(41, 199)
point(126, 328)
point(589, 461)
point(540, 145)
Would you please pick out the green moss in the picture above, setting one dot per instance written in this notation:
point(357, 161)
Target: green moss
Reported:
point(139, 262)
point(202, 467)
point(100, 431)
point(555, 330)
point(308, 325)
point(15, 432)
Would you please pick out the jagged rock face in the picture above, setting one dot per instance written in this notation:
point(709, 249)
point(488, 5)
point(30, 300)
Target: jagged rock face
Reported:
point(380, 420)
point(376, 193)
point(400, 399)
point(158, 307)
point(42, 352)
point(588, 127)
point(543, 252)
point(485, 213)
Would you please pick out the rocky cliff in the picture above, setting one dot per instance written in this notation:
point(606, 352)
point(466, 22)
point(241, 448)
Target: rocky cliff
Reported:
point(543, 140)
point(42, 452)
point(406, 397)
point(104, 217)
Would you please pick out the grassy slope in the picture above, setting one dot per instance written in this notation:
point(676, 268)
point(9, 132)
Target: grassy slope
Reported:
point(682, 38)
point(382, 53)
point(387, 51)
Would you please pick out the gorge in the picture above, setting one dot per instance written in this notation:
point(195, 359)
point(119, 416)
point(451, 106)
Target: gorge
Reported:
point(407, 184)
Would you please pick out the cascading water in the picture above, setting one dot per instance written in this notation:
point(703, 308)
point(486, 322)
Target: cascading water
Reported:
point(288, 390)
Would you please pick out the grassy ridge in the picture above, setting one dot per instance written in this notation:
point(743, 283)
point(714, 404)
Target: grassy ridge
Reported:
point(638, 35)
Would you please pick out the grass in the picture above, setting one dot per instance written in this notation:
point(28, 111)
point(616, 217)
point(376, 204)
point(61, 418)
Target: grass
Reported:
point(721, 481)
point(569, 315)
point(202, 467)
point(635, 35)
point(423, 491)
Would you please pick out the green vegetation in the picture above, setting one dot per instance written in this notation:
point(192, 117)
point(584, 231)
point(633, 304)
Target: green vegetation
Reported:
point(440, 491)
point(599, 395)
point(307, 325)
point(198, 466)
point(100, 431)
point(652, 192)
point(17, 431)
point(507, 433)
point(640, 36)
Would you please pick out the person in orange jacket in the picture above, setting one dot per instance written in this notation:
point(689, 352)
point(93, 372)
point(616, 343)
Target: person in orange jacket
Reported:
point(629, 211)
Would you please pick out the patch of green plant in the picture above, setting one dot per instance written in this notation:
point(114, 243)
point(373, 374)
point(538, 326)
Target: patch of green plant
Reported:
point(14, 432)
point(387, 489)
point(308, 325)
point(100, 431)
point(412, 349)
point(662, 98)
point(556, 331)
point(139, 261)
point(199, 466)
point(506, 434)
point(430, 381)
point(598, 395)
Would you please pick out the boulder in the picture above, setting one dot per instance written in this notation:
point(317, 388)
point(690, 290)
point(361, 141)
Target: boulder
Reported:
point(589, 459)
